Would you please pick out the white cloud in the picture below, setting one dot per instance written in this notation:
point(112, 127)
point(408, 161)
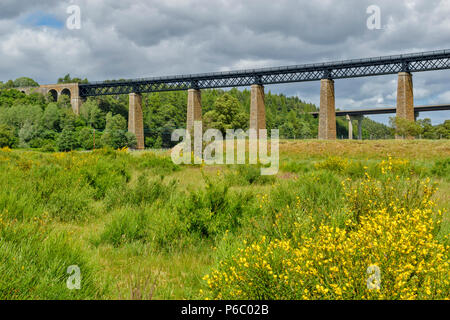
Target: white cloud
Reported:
point(137, 38)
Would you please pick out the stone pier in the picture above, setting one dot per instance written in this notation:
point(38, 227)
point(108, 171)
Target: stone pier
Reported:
point(327, 114)
point(405, 97)
point(75, 99)
point(135, 119)
point(194, 108)
point(257, 108)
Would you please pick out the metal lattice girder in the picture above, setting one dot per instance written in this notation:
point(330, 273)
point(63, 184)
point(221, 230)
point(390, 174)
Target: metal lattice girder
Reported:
point(426, 61)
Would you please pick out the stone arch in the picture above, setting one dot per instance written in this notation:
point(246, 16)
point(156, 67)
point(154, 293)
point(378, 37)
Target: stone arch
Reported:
point(54, 94)
point(66, 92)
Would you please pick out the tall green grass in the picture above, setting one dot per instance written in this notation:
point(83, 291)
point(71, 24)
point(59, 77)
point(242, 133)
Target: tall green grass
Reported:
point(110, 212)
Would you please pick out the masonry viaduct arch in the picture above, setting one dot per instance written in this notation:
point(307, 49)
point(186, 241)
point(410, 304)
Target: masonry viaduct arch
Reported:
point(71, 90)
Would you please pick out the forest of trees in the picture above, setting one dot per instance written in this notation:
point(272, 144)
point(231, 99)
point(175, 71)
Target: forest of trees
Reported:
point(36, 121)
point(18, 83)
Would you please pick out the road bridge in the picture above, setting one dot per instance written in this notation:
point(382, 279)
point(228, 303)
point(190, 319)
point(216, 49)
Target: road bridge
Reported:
point(358, 115)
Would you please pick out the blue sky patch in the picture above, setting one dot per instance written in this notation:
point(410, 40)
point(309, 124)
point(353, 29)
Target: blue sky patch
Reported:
point(42, 19)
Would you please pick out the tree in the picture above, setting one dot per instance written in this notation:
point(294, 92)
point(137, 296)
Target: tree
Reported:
point(116, 135)
point(227, 114)
point(287, 130)
point(131, 140)
point(67, 141)
point(405, 128)
point(7, 136)
point(92, 114)
point(8, 85)
point(116, 105)
point(30, 135)
point(305, 130)
point(443, 130)
point(68, 79)
point(52, 117)
point(86, 138)
point(64, 101)
point(25, 82)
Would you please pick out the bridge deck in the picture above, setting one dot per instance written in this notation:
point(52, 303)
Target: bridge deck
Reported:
point(340, 113)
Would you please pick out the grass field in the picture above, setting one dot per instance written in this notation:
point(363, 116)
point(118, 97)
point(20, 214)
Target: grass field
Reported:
point(140, 227)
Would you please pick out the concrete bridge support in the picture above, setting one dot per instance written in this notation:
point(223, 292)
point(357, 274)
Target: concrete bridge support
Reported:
point(75, 99)
point(350, 127)
point(257, 108)
point(327, 114)
point(76, 103)
point(405, 97)
point(136, 120)
point(360, 119)
point(194, 108)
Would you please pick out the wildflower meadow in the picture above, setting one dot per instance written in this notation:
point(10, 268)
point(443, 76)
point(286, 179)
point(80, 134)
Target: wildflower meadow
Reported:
point(341, 220)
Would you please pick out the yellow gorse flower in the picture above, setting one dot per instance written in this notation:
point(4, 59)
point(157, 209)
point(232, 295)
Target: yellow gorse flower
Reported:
point(333, 263)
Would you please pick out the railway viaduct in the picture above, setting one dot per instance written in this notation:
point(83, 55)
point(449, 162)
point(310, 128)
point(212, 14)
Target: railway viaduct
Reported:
point(402, 65)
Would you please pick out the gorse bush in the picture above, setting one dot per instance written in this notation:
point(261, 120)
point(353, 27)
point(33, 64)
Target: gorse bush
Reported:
point(144, 191)
point(211, 212)
point(289, 165)
point(358, 168)
point(158, 164)
point(252, 174)
point(334, 164)
point(200, 215)
point(127, 226)
point(166, 218)
point(103, 176)
point(442, 168)
point(396, 238)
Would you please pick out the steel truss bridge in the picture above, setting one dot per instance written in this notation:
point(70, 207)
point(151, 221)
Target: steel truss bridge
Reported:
point(416, 62)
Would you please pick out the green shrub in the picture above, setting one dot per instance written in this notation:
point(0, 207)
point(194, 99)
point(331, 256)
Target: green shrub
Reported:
point(248, 175)
point(144, 191)
point(34, 264)
point(442, 168)
point(126, 226)
point(159, 164)
point(67, 140)
point(104, 175)
point(7, 136)
point(48, 147)
point(211, 212)
point(296, 166)
point(85, 138)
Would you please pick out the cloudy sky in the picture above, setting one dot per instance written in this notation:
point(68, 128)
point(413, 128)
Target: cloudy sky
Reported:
point(143, 38)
